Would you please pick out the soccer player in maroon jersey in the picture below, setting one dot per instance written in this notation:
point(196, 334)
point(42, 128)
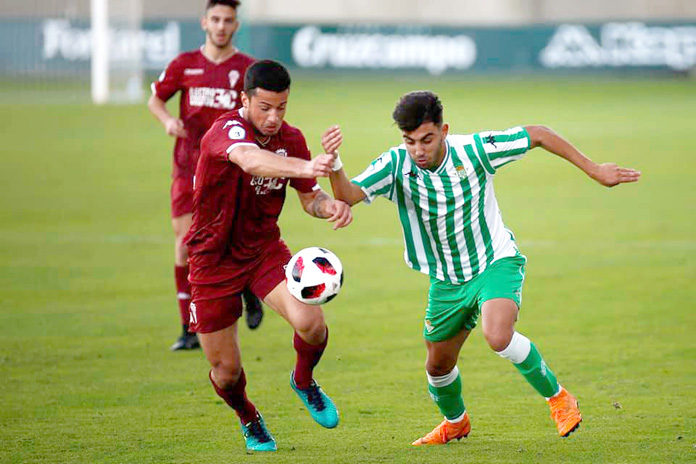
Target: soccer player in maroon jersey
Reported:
point(210, 82)
point(248, 158)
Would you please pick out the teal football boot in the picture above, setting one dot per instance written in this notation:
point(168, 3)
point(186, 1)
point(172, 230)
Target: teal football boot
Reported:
point(320, 406)
point(257, 436)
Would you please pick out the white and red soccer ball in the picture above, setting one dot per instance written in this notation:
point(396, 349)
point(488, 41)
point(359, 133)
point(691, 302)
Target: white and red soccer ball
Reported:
point(314, 275)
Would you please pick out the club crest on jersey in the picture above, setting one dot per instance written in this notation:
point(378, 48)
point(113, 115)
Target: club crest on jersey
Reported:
point(461, 172)
point(233, 77)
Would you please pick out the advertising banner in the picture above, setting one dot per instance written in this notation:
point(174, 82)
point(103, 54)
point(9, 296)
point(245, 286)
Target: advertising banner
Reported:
point(54, 45)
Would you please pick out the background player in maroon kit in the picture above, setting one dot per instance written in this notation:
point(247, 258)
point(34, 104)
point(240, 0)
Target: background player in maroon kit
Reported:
point(248, 158)
point(210, 82)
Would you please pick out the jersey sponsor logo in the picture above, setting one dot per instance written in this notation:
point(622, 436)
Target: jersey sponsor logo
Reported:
point(212, 97)
point(265, 185)
point(193, 71)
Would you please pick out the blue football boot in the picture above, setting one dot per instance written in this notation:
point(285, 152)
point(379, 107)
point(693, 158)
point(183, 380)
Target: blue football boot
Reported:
point(320, 406)
point(257, 436)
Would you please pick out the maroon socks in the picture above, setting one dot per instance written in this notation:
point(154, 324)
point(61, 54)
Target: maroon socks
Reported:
point(307, 357)
point(236, 398)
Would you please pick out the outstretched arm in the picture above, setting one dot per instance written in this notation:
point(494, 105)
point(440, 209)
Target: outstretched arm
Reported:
point(607, 174)
point(320, 205)
point(258, 162)
point(343, 188)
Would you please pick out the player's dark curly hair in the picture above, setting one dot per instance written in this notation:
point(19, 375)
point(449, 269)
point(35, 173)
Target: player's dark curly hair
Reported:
point(415, 108)
point(267, 75)
point(233, 3)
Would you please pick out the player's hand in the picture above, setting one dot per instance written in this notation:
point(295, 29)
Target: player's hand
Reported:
point(175, 128)
point(341, 214)
point(331, 139)
point(319, 166)
point(609, 174)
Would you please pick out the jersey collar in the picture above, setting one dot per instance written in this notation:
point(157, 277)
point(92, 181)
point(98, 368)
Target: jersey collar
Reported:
point(235, 50)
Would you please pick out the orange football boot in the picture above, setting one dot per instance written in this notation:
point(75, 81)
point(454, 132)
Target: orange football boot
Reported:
point(565, 412)
point(445, 432)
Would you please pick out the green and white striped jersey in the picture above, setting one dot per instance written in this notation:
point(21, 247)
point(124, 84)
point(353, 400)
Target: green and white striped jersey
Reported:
point(450, 218)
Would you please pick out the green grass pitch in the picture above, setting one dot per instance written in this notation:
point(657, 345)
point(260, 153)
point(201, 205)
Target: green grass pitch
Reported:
point(87, 304)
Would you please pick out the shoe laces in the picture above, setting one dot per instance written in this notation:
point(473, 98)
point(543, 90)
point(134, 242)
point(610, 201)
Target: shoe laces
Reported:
point(314, 396)
point(258, 431)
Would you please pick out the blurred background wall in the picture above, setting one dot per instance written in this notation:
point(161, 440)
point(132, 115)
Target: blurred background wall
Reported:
point(461, 12)
point(48, 45)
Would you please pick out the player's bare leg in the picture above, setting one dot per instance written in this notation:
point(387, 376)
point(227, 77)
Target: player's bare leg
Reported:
point(498, 318)
point(310, 339)
point(227, 376)
point(445, 387)
point(181, 225)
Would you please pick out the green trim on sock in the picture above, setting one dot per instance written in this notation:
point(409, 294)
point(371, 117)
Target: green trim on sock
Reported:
point(449, 398)
point(538, 374)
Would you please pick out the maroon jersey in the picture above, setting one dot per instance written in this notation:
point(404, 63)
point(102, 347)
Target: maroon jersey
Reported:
point(207, 91)
point(235, 214)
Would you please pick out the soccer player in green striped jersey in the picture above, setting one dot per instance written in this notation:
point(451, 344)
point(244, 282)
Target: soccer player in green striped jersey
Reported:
point(442, 185)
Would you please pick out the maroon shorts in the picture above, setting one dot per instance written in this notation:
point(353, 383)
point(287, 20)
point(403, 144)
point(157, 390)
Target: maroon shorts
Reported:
point(217, 306)
point(182, 196)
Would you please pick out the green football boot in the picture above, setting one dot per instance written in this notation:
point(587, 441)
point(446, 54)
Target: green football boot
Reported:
point(320, 406)
point(257, 436)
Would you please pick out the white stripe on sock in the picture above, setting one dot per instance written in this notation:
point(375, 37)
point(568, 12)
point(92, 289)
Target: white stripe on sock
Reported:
point(458, 419)
point(443, 380)
point(518, 349)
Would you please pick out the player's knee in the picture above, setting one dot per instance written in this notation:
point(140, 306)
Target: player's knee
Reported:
point(498, 340)
point(440, 367)
point(312, 330)
point(226, 374)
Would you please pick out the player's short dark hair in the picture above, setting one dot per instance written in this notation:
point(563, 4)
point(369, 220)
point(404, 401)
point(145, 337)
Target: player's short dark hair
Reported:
point(415, 108)
point(231, 3)
point(267, 75)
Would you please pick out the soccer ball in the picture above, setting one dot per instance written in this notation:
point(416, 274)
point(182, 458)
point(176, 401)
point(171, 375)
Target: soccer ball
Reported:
point(314, 275)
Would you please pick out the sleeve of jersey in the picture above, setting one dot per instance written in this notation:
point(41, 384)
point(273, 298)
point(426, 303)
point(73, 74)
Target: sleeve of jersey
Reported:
point(225, 135)
point(498, 148)
point(169, 82)
point(302, 151)
point(378, 178)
